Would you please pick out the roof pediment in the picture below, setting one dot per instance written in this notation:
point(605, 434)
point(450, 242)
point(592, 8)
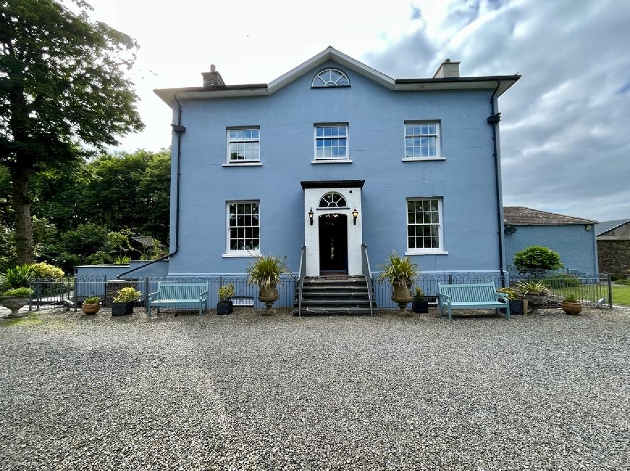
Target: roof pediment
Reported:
point(500, 82)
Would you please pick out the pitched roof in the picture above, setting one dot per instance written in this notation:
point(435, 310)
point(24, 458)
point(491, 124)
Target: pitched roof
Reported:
point(522, 216)
point(605, 226)
point(331, 54)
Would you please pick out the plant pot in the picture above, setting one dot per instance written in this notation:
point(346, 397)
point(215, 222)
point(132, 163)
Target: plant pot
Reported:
point(517, 307)
point(571, 308)
point(268, 295)
point(122, 309)
point(15, 304)
point(90, 308)
point(225, 307)
point(420, 307)
point(401, 294)
point(535, 302)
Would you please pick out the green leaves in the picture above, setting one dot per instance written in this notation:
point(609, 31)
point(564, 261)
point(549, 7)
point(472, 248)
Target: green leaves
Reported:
point(536, 259)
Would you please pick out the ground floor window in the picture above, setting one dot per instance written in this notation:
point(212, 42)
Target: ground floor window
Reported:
point(424, 225)
point(243, 226)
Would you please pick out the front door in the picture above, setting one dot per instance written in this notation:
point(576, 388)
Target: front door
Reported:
point(333, 243)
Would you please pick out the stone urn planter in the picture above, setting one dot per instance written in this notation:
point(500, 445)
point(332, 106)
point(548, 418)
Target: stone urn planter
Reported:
point(268, 295)
point(401, 294)
point(14, 303)
point(535, 302)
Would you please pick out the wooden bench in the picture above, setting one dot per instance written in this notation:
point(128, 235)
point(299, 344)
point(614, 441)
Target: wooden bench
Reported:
point(174, 294)
point(471, 296)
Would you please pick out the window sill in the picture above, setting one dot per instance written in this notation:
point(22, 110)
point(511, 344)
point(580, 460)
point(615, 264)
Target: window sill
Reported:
point(251, 254)
point(331, 161)
point(244, 164)
point(426, 252)
point(423, 159)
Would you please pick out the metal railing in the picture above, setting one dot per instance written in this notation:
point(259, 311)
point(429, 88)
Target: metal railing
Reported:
point(301, 275)
point(365, 268)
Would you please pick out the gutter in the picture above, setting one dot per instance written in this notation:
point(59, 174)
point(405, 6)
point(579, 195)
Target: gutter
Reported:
point(179, 130)
point(493, 120)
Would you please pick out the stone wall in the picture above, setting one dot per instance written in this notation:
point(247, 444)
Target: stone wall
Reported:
point(614, 256)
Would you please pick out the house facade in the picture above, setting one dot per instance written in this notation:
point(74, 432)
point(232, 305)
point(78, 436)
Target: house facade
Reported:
point(613, 247)
point(573, 238)
point(331, 156)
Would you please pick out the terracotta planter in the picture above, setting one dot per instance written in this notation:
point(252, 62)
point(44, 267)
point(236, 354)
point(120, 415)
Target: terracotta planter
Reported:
point(571, 308)
point(90, 308)
point(15, 304)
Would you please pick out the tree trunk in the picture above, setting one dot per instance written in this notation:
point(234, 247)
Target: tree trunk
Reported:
point(23, 222)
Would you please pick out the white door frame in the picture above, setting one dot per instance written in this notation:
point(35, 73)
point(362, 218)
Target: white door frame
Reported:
point(313, 193)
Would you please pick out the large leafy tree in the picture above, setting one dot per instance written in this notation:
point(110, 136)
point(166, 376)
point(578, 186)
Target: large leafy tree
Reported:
point(63, 84)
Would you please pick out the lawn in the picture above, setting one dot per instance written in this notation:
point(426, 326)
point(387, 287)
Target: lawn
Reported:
point(621, 294)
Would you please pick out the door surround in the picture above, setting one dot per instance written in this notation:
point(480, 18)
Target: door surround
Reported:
point(350, 191)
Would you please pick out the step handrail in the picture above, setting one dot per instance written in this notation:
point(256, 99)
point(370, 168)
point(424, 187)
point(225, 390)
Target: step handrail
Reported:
point(301, 276)
point(365, 268)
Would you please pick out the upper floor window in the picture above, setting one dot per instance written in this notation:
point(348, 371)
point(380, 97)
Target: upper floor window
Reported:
point(424, 225)
point(243, 144)
point(330, 78)
point(243, 231)
point(332, 200)
point(422, 139)
point(331, 141)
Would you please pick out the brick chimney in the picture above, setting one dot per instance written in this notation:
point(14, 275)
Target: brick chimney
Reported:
point(447, 69)
point(212, 78)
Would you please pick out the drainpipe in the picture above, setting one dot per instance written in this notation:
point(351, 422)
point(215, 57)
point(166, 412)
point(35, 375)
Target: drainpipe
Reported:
point(493, 120)
point(179, 130)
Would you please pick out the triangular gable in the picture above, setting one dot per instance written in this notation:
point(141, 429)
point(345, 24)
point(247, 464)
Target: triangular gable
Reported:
point(331, 54)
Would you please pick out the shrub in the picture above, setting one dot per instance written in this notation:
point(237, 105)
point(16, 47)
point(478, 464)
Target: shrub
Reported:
point(19, 276)
point(511, 293)
point(18, 292)
point(44, 270)
point(570, 299)
point(537, 259)
point(92, 300)
point(226, 292)
point(127, 295)
point(266, 270)
point(418, 294)
point(399, 270)
point(533, 287)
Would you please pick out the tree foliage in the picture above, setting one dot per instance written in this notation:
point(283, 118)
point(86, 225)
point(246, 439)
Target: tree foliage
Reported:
point(537, 259)
point(63, 83)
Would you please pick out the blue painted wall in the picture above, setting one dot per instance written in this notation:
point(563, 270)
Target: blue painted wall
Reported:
point(376, 115)
point(576, 246)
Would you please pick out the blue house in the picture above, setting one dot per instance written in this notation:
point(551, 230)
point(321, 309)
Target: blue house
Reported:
point(571, 237)
point(333, 156)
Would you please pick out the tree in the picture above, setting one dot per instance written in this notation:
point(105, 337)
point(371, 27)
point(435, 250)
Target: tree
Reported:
point(536, 259)
point(62, 85)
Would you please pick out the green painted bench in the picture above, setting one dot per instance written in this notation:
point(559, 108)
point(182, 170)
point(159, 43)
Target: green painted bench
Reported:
point(471, 296)
point(177, 294)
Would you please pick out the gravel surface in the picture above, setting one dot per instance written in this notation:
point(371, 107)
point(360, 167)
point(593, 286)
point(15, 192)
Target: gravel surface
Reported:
point(246, 391)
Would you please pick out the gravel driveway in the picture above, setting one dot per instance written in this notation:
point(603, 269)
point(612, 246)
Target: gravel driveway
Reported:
point(247, 391)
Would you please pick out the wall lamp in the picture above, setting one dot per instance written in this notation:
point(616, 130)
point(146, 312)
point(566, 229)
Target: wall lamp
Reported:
point(310, 215)
point(355, 215)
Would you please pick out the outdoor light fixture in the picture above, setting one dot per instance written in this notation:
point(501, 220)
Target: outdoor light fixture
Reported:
point(310, 215)
point(355, 215)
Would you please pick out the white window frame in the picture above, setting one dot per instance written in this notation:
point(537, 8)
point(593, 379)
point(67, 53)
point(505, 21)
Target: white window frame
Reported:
point(439, 226)
point(324, 137)
point(325, 79)
point(423, 135)
point(242, 140)
point(246, 252)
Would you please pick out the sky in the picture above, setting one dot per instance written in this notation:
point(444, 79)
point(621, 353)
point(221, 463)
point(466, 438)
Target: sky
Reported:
point(565, 125)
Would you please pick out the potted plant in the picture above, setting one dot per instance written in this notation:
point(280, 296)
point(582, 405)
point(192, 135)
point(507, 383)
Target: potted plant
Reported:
point(265, 271)
point(401, 272)
point(535, 292)
point(15, 299)
point(515, 299)
point(420, 304)
point(225, 304)
point(91, 305)
point(571, 305)
point(123, 303)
